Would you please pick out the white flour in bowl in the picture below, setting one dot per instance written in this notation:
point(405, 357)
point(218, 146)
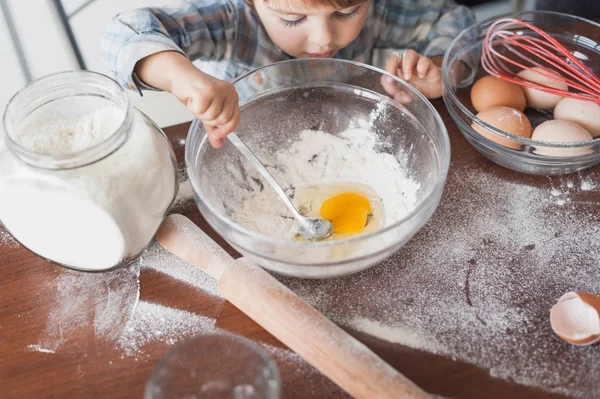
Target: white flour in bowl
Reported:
point(322, 158)
point(90, 217)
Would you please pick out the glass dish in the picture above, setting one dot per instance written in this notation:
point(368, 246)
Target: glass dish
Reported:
point(215, 366)
point(281, 100)
point(95, 205)
point(462, 66)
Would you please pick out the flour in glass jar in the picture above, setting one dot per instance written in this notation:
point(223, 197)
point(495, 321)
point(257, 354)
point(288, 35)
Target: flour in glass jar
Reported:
point(90, 217)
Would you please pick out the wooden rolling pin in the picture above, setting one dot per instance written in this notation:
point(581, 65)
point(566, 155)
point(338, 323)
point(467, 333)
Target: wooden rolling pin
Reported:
point(335, 353)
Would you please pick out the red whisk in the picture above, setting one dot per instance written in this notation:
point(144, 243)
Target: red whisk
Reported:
point(527, 50)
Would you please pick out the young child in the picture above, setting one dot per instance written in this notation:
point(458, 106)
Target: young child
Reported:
point(153, 48)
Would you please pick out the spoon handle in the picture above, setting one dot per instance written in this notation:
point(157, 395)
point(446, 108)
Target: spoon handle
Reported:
point(257, 164)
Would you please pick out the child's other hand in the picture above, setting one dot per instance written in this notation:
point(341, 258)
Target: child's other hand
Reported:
point(214, 102)
point(419, 71)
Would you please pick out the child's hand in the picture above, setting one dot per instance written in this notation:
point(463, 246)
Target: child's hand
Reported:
point(419, 71)
point(214, 102)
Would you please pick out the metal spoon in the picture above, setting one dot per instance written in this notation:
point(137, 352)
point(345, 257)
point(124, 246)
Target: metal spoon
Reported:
point(309, 228)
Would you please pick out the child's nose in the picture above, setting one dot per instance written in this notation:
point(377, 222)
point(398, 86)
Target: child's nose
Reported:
point(322, 34)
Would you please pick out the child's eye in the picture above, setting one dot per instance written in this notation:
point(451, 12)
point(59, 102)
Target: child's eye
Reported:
point(348, 15)
point(290, 24)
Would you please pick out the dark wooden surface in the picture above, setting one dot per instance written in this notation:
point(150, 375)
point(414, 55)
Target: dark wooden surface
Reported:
point(91, 366)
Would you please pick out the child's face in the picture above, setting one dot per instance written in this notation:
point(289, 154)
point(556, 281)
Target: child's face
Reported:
point(303, 30)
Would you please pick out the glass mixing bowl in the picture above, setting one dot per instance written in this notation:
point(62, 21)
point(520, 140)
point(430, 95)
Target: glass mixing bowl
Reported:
point(277, 103)
point(462, 66)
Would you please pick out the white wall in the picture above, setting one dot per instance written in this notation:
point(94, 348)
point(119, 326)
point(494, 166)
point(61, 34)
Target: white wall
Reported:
point(43, 41)
point(48, 50)
point(10, 71)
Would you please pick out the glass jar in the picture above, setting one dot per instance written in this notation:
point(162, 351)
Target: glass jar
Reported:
point(218, 366)
point(85, 178)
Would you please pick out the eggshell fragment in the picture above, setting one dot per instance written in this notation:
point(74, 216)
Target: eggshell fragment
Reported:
point(508, 120)
point(575, 318)
point(537, 98)
point(559, 131)
point(491, 91)
point(585, 113)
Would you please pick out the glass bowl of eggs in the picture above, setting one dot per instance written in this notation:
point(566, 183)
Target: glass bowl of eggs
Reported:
point(521, 128)
point(347, 142)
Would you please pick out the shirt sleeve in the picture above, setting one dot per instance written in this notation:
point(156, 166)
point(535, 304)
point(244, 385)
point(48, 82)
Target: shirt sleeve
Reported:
point(202, 29)
point(427, 26)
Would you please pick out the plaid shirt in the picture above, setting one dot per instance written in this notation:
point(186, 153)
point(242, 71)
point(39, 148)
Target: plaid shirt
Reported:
point(231, 32)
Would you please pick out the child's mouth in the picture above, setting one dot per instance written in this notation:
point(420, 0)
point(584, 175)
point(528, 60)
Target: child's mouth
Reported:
point(322, 54)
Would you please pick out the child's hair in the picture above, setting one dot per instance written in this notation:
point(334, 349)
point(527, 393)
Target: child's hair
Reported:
point(334, 3)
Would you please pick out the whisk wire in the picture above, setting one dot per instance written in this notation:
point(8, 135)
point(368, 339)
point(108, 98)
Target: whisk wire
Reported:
point(529, 51)
point(551, 59)
point(539, 49)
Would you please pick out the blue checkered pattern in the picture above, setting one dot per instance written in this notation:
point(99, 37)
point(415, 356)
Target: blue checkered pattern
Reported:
point(230, 31)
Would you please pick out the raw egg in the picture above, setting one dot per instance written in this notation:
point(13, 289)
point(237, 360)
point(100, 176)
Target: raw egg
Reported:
point(352, 208)
point(576, 318)
point(491, 91)
point(539, 99)
point(585, 113)
point(348, 212)
point(508, 120)
point(559, 131)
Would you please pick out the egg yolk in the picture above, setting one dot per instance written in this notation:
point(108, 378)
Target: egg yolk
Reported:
point(347, 212)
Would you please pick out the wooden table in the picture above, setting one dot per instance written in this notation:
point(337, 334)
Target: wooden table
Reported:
point(92, 366)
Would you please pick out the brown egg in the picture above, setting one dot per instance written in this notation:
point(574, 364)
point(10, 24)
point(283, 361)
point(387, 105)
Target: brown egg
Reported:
point(508, 120)
point(585, 113)
point(561, 131)
point(537, 98)
point(491, 91)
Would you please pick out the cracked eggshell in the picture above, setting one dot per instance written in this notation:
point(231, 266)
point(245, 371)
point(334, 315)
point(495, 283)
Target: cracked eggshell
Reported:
point(575, 318)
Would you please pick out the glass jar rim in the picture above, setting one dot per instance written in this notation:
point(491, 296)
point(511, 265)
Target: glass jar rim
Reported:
point(79, 158)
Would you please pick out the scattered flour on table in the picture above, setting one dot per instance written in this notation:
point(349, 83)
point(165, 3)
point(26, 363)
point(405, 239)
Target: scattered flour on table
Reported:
point(466, 287)
point(38, 348)
point(397, 335)
point(296, 372)
point(6, 241)
point(152, 322)
point(159, 259)
point(320, 158)
point(98, 303)
point(186, 191)
point(185, 195)
point(588, 185)
point(563, 190)
point(106, 304)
